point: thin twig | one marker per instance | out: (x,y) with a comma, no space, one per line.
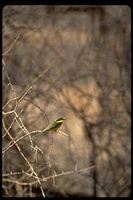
(23,156)
(62,133)
(50,177)
(12,45)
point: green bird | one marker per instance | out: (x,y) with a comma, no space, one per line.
(55,125)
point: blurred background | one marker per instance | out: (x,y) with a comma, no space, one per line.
(72,62)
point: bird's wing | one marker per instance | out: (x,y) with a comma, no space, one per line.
(52,125)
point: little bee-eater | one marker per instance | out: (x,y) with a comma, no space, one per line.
(55,125)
